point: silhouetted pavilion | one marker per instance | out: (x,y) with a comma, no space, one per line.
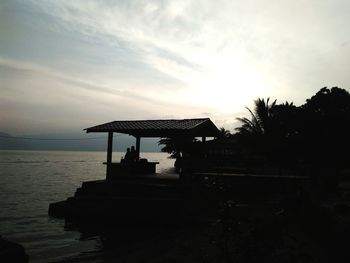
(201,127)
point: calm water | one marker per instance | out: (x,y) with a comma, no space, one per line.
(30,180)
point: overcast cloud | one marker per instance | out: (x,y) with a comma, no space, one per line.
(67,65)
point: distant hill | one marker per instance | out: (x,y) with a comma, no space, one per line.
(73,142)
(8,142)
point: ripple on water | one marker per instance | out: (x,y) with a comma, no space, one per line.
(30,181)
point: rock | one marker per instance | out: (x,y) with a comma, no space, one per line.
(58,209)
(12,252)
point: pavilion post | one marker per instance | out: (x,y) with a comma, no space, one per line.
(138,147)
(110,147)
(204,139)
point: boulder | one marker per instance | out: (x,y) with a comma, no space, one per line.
(12,252)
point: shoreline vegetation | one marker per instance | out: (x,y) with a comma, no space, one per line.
(310,224)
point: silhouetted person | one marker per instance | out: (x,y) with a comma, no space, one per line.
(133,154)
(128,156)
(178,163)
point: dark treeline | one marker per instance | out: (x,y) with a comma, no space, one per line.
(311,139)
(314,133)
(312,136)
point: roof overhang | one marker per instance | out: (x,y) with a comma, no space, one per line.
(201,127)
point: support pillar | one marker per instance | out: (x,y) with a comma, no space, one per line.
(204,139)
(109,147)
(138,147)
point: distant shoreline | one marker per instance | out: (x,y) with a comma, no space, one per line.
(51,150)
(47,143)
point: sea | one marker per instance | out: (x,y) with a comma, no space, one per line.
(31,180)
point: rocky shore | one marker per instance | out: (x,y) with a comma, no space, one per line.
(12,252)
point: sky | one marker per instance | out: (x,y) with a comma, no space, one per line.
(67,65)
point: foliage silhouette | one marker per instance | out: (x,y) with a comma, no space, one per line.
(312,137)
(175,146)
(260,118)
(223,133)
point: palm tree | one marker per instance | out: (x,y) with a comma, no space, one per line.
(223,133)
(177,145)
(271,131)
(260,119)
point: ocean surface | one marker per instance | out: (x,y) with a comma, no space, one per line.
(31,180)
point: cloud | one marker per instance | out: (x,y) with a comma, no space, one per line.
(21,67)
(171,58)
(280,41)
(36,98)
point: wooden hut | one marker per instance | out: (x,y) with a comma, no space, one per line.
(173,128)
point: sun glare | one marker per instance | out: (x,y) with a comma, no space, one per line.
(227,85)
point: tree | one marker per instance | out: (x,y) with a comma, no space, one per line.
(325,129)
(269,132)
(254,133)
(313,137)
(326,125)
(223,133)
(260,118)
(175,146)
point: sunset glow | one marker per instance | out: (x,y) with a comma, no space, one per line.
(163,59)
